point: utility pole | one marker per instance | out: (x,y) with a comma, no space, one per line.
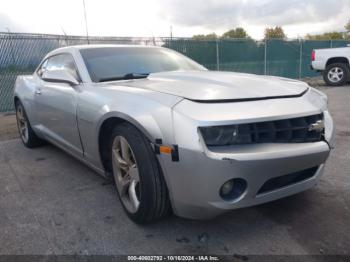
(66,37)
(217,55)
(300,57)
(86,26)
(265,57)
(171,32)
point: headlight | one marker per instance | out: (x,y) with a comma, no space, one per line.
(318,98)
(226,135)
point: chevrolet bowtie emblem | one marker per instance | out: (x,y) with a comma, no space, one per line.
(318,126)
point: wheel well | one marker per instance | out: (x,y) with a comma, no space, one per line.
(103,140)
(333,60)
(104,136)
(15,99)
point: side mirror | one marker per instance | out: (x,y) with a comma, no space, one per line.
(60,76)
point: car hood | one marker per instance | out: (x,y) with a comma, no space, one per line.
(211,86)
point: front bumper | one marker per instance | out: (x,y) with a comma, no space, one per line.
(196,179)
(194,182)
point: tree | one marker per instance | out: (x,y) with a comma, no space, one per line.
(275,33)
(347,27)
(326,36)
(238,32)
(211,36)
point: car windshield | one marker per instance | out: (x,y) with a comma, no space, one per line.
(120,63)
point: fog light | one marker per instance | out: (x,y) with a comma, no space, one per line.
(226,188)
(233,189)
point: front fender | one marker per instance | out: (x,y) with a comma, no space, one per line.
(149,128)
(150,112)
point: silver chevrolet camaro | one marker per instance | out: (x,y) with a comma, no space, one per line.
(173,135)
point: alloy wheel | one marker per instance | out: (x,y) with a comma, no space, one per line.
(336,74)
(22,123)
(126,174)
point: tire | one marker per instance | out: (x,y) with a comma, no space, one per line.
(340,71)
(138,177)
(26,133)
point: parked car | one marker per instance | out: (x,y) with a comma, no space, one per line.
(333,63)
(173,135)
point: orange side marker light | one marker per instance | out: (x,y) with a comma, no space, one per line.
(165,149)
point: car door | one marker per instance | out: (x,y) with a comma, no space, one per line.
(56,105)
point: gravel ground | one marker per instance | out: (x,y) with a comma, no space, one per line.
(316,82)
(52,204)
(8,127)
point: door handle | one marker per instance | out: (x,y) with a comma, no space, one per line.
(38,92)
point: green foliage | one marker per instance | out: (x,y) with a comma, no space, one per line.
(274,33)
(332,35)
(238,32)
(347,27)
(327,36)
(211,36)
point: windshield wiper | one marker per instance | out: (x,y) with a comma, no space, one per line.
(124,77)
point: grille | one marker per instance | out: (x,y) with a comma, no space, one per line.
(287,180)
(293,130)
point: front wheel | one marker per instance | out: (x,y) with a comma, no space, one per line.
(137,174)
(336,74)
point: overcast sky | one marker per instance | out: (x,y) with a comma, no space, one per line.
(187,17)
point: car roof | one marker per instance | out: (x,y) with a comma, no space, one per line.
(80,47)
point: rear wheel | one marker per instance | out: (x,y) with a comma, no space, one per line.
(336,74)
(138,177)
(27,135)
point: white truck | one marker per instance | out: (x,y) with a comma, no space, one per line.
(333,63)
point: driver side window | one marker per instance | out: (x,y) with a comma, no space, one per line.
(42,69)
(61,61)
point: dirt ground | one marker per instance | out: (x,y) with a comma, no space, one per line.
(8,127)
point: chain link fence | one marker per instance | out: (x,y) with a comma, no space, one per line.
(21,53)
